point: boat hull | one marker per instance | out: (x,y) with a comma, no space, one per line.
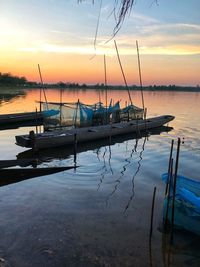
(68,137)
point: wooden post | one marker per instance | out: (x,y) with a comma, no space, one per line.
(36,119)
(75,147)
(169,167)
(168,194)
(174,190)
(152,213)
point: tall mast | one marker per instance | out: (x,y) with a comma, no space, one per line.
(123,73)
(140,76)
(41,80)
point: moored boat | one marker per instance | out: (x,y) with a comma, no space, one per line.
(85,134)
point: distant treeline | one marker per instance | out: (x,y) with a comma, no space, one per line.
(101,86)
(6,79)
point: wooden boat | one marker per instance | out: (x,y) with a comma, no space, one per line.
(15,175)
(26,117)
(49,154)
(67,137)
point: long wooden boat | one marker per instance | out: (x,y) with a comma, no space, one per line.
(25,116)
(15,175)
(85,134)
(49,154)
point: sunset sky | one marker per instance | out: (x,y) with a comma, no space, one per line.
(59,35)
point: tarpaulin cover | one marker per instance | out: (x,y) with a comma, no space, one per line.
(187,203)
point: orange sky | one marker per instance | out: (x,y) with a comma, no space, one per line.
(61,41)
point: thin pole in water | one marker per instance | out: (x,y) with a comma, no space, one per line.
(140,76)
(170,179)
(152,213)
(174,190)
(36,112)
(61,107)
(75,148)
(169,167)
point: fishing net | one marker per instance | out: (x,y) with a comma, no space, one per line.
(187,204)
(82,115)
(131,112)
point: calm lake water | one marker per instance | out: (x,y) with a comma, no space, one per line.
(98,214)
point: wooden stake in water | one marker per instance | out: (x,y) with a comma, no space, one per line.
(36,113)
(75,147)
(170,180)
(169,167)
(61,91)
(174,189)
(152,213)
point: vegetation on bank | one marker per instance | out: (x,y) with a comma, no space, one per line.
(8,80)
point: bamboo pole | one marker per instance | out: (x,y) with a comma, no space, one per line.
(140,77)
(105,77)
(174,190)
(61,107)
(36,112)
(122,71)
(45,97)
(168,194)
(75,148)
(169,166)
(152,213)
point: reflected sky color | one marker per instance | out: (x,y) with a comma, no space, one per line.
(61,38)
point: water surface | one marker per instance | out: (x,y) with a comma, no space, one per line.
(99,214)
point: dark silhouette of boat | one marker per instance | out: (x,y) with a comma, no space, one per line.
(15,175)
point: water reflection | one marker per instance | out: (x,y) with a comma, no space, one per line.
(9,95)
(63,219)
(136,172)
(186,246)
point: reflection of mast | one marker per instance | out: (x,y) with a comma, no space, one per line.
(118,181)
(135,174)
(122,172)
(104,170)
